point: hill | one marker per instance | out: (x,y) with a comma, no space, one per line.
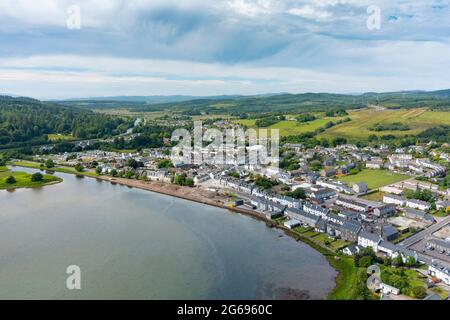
(26,121)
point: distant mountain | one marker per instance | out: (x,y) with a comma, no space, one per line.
(153,99)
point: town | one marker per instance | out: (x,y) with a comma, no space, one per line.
(373,203)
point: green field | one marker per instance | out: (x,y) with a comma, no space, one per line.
(37,165)
(60,137)
(418,120)
(374,178)
(291,127)
(23,180)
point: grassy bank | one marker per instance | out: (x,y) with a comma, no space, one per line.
(23,180)
(63,169)
(351,280)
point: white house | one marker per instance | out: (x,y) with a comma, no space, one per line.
(417,204)
(367,239)
(439,271)
(387,289)
(389,198)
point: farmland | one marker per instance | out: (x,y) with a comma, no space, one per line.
(374,178)
(417,120)
(292,127)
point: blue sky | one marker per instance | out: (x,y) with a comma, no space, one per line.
(211,47)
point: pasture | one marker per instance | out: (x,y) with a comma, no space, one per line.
(374,178)
(418,120)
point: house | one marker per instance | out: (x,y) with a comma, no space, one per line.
(374,163)
(350,230)
(417,204)
(351,249)
(328,172)
(291,224)
(397,200)
(389,233)
(419,215)
(384,210)
(387,289)
(319,194)
(443,204)
(367,239)
(389,249)
(315,209)
(334,218)
(201,178)
(439,245)
(330,161)
(360,187)
(440,272)
(352,203)
(302,216)
(286,201)
(348,215)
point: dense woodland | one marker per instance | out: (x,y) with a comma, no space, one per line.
(25,121)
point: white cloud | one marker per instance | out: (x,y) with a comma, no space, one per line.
(310,12)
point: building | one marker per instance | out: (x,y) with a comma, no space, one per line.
(302,216)
(329,172)
(439,245)
(315,209)
(360,187)
(417,204)
(387,289)
(440,272)
(367,239)
(389,249)
(389,233)
(350,230)
(351,249)
(419,215)
(352,203)
(374,164)
(384,210)
(397,200)
(291,224)
(319,194)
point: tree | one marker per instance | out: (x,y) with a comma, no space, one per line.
(365,262)
(79,167)
(419,292)
(11,180)
(98,170)
(410,262)
(398,260)
(35,177)
(298,193)
(165,163)
(49,163)
(113,172)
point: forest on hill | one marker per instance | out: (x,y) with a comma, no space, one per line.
(25,122)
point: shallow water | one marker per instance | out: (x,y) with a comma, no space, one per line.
(135,244)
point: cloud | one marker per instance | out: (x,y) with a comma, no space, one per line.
(250,46)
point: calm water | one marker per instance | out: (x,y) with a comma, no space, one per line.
(135,244)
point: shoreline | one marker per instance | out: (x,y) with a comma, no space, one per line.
(183,192)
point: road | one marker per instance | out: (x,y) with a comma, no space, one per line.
(424,233)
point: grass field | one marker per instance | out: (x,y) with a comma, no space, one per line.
(374,178)
(361,120)
(60,137)
(23,180)
(291,127)
(37,165)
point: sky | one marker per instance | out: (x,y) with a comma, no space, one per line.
(56,49)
